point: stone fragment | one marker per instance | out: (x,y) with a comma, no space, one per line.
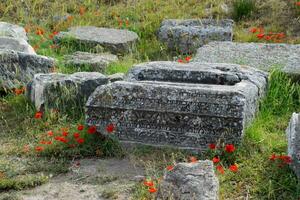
(116,41)
(187,35)
(96,62)
(12,30)
(293,136)
(54,90)
(190,181)
(8,43)
(116,77)
(18,68)
(259,55)
(182,105)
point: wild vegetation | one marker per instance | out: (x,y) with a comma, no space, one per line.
(26,161)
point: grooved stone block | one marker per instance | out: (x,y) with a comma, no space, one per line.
(187,35)
(181,105)
(293,135)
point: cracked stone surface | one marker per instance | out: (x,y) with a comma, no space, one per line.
(190,181)
(293,136)
(13,31)
(187,35)
(259,55)
(16,44)
(97,62)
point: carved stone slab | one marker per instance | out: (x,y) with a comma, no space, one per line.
(182,105)
(293,135)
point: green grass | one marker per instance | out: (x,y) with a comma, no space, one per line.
(257,178)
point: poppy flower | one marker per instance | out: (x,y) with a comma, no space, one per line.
(180,60)
(253,30)
(55,32)
(80,140)
(285,159)
(92,130)
(152,190)
(38,115)
(267,37)
(110,128)
(229,148)
(193,159)
(280,35)
(62,139)
(216,159)
(80,127)
(170,168)
(212,146)
(39,148)
(273,157)
(76,135)
(188,58)
(297,3)
(50,133)
(220,169)
(81,10)
(65,133)
(19,91)
(233,168)
(260,36)
(45,142)
(127,22)
(149,183)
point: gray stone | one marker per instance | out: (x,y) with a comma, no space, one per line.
(8,43)
(181,105)
(18,68)
(187,35)
(116,41)
(97,62)
(55,89)
(259,55)
(190,181)
(293,135)
(116,77)
(12,30)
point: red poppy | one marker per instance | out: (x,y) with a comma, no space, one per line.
(62,139)
(38,115)
(81,10)
(110,128)
(233,168)
(76,135)
(216,159)
(180,60)
(80,140)
(188,58)
(170,168)
(127,22)
(51,36)
(253,30)
(280,35)
(285,159)
(212,146)
(45,142)
(149,183)
(260,36)
(55,32)
(39,31)
(92,130)
(193,159)
(80,127)
(229,148)
(267,37)
(152,190)
(273,157)
(220,169)
(298,3)
(20,91)
(39,148)
(50,133)
(65,133)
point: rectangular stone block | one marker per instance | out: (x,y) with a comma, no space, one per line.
(293,136)
(182,105)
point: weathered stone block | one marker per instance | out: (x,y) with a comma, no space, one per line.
(116,41)
(293,135)
(12,30)
(18,68)
(8,43)
(259,55)
(187,35)
(182,105)
(190,181)
(55,89)
(97,62)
